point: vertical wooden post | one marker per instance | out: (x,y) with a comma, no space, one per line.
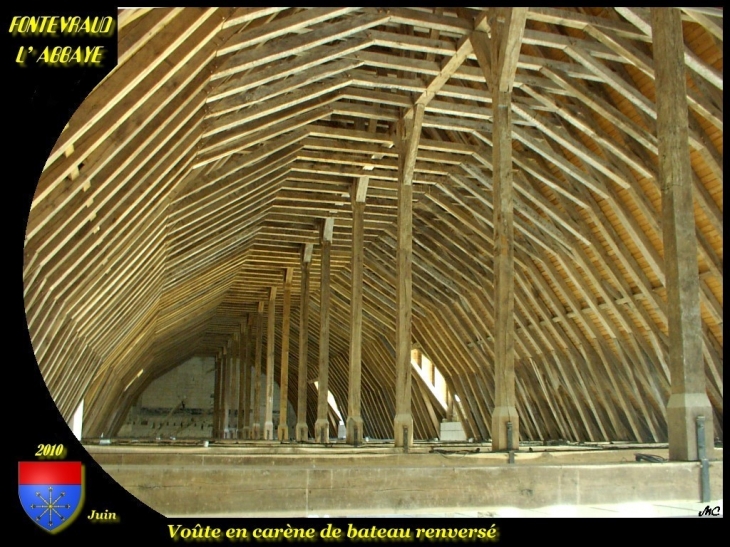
(234,352)
(243,375)
(283,429)
(225,391)
(354,419)
(689,397)
(504,331)
(270,349)
(302,432)
(410,128)
(217,383)
(498,59)
(322,426)
(248,395)
(256,428)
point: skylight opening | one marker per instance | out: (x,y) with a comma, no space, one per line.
(431,376)
(331,401)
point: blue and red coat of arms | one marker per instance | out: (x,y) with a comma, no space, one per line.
(51,493)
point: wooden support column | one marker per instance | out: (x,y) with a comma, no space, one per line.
(322,426)
(225,392)
(256,427)
(218,382)
(226,398)
(498,60)
(355,422)
(283,429)
(234,364)
(504,283)
(302,432)
(244,374)
(410,133)
(270,349)
(689,397)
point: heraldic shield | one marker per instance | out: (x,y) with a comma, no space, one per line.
(51,493)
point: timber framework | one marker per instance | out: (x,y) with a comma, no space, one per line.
(511,218)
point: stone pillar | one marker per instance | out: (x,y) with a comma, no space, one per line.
(270,349)
(322,426)
(283,429)
(355,422)
(410,134)
(302,432)
(689,396)
(256,427)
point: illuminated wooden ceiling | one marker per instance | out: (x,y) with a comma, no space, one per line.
(193,175)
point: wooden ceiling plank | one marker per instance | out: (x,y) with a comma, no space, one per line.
(242,16)
(217,186)
(289,67)
(574,146)
(435,21)
(150,22)
(576,20)
(640,18)
(262,132)
(656,337)
(592,183)
(625,155)
(106,161)
(568,347)
(87,241)
(642,61)
(279,27)
(712,24)
(123,99)
(519,205)
(294,45)
(249,98)
(621,320)
(260,108)
(609,112)
(608,364)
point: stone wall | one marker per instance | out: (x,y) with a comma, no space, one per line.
(179,405)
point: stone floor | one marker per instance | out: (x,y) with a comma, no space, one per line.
(673,508)
(377,480)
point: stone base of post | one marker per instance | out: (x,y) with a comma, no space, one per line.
(355,425)
(322,431)
(282,432)
(403,430)
(500,417)
(301,432)
(682,412)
